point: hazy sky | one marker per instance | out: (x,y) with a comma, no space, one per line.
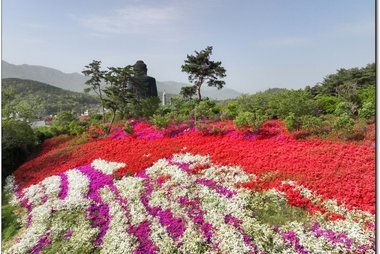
(262,44)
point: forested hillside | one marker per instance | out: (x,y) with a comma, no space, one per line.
(34,99)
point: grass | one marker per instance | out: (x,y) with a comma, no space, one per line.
(9,224)
(270,209)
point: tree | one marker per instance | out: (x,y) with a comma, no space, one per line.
(7,102)
(299,102)
(96,76)
(359,77)
(119,94)
(187,91)
(201,69)
(17,143)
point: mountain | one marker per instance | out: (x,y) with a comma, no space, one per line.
(211,92)
(69,81)
(44,99)
(76,82)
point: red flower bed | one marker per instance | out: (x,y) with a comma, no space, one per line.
(335,170)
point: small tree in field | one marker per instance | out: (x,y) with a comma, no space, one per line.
(201,69)
(96,75)
(118,93)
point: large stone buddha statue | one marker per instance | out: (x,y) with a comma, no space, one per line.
(145,86)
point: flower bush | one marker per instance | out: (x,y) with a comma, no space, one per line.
(183,203)
(184,190)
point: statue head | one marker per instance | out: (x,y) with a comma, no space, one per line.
(140,66)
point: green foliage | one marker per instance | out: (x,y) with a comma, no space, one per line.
(76,128)
(32,99)
(18,142)
(16,134)
(118,94)
(291,122)
(344,124)
(299,102)
(160,122)
(43,132)
(328,103)
(76,222)
(95,117)
(144,108)
(128,128)
(180,106)
(65,122)
(368,110)
(250,120)
(178,118)
(201,69)
(273,210)
(345,107)
(9,221)
(359,129)
(206,109)
(367,97)
(311,123)
(187,92)
(258,101)
(243,120)
(209,129)
(229,111)
(60,123)
(7,104)
(96,76)
(346,80)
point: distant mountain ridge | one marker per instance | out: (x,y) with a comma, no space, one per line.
(76,81)
(68,81)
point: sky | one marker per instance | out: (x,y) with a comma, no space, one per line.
(261,44)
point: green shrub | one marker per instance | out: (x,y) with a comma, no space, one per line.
(209,129)
(298,102)
(10,224)
(18,142)
(148,107)
(328,103)
(258,101)
(344,125)
(95,117)
(291,122)
(128,128)
(77,128)
(60,123)
(250,120)
(345,107)
(160,122)
(367,97)
(359,130)
(229,111)
(182,106)
(206,109)
(178,118)
(244,120)
(368,110)
(311,123)
(43,132)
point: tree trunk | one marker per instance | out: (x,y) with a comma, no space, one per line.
(101,99)
(199,93)
(113,118)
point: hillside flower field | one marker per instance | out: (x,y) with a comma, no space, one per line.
(183,190)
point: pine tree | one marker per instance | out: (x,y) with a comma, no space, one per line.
(201,69)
